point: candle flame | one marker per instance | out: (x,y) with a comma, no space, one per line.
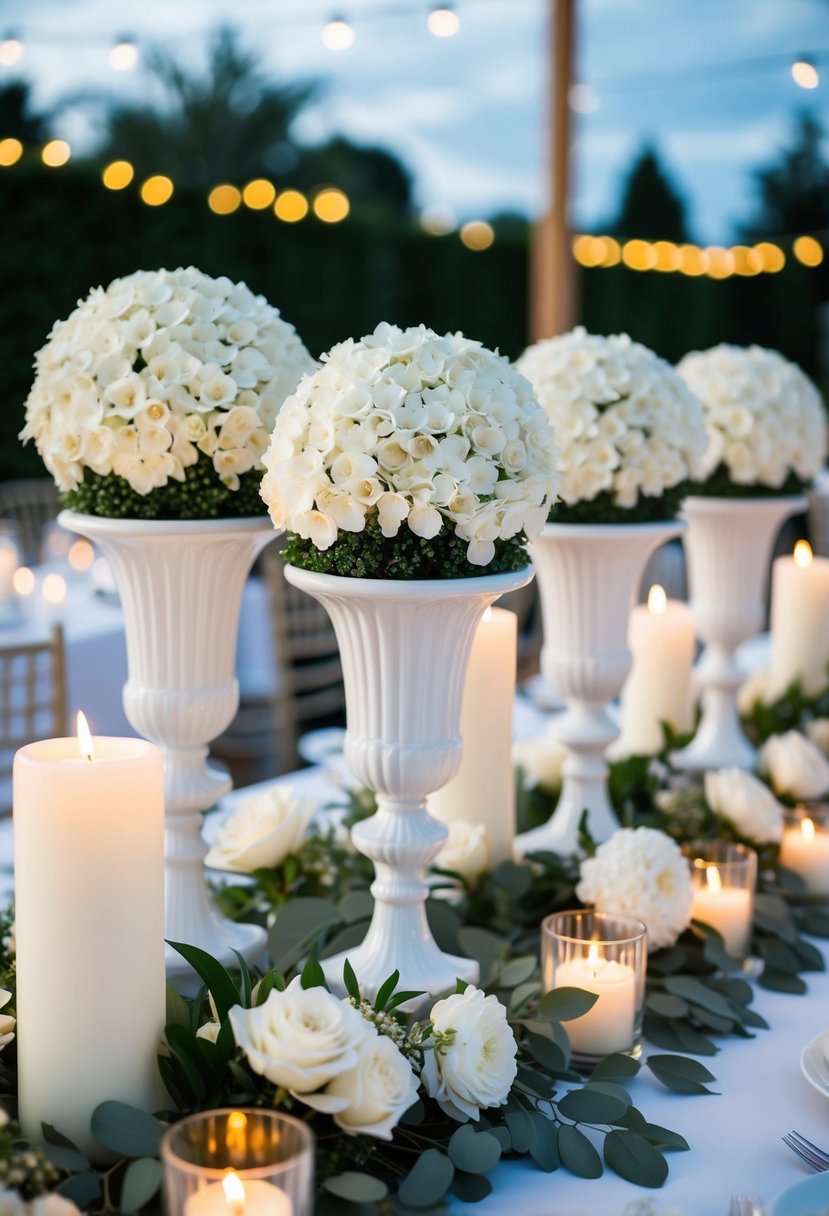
(593,953)
(233,1189)
(807,828)
(803,554)
(657,600)
(712,877)
(85,738)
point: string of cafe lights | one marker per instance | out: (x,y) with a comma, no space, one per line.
(331,206)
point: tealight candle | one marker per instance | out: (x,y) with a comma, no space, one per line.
(607,956)
(483,789)
(89,927)
(238,1163)
(804,848)
(658,689)
(799,622)
(726,909)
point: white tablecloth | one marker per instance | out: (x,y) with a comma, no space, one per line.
(735,1137)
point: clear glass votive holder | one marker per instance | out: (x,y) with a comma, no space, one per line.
(724,875)
(804,848)
(606,955)
(238,1163)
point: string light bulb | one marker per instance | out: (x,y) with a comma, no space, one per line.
(443,21)
(805,74)
(124,55)
(337,34)
(11,51)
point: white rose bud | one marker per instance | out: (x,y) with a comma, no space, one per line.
(378,1090)
(542,761)
(265,829)
(746,803)
(466,851)
(470,1065)
(795,765)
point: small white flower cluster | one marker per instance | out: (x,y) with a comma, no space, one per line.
(748,805)
(161,366)
(640,872)
(331,1058)
(265,828)
(625,423)
(764,417)
(407,427)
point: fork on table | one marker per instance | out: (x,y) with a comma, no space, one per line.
(808,1152)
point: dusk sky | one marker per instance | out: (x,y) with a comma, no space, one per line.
(707,81)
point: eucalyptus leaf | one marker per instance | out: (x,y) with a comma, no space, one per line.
(474,1152)
(142,1179)
(82,1189)
(577,1153)
(535,1082)
(520,1130)
(591,1105)
(779,956)
(544,1143)
(296,925)
(695,991)
(356,1187)
(514,878)
(126,1130)
(681,1074)
(356,905)
(428,1180)
(445,924)
(521,995)
(52,1136)
(781,981)
(814,921)
(547,1053)
(633,1158)
(809,956)
(564,1004)
(666,1005)
(347,939)
(750,1017)
(616,1066)
(66,1158)
(677,1036)
(662,1137)
(470,1188)
(612,1090)
(735,989)
(713,1021)
(516,971)
(482,945)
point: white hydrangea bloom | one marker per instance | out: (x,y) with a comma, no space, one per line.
(153,370)
(626,422)
(415,430)
(764,417)
(640,872)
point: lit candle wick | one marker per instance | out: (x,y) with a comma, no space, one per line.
(657,600)
(803,554)
(712,878)
(807,828)
(234,1192)
(85,738)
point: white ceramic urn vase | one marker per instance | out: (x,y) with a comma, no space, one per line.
(404,647)
(181,584)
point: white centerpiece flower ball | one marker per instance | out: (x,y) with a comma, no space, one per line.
(631,435)
(640,872)
(156,397)
(410,454)
(765,421)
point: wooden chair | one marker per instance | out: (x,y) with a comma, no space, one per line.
(32,700)
(31,503)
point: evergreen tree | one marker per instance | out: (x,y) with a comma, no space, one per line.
(651,207)
(793,191)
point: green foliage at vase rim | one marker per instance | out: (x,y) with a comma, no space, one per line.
(790,711)
(604,510)
(721,485)
(202,495)
(369,554)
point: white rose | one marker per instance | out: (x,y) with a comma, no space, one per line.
(6,1021)
(469,1064)
(818,731)
(262,832)
(466,850)
(795,765)
(301,1039)
(746,803)
(542,761)
(378,1090)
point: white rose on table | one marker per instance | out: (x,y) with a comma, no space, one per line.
(818,731)
(301,1039)
(378,1090)
(265,829)
(748,805)
(469,1064)
(7,1022)
(795,765)
(541,760)
(466,851)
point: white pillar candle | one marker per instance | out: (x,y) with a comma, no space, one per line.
(726,909)
(609,1025)
(805,852)
(658,689)
(799,622)
(483,791)
(235,1197)
(89,927)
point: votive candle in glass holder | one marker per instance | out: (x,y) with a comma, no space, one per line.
(606,955)
(238,1163)
(724,875)
(804,847)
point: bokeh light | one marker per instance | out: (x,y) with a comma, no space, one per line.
(331,205)
(11,151)
(55,153)
(808,251)
(477,235)
(224,199)
(156,190)
(259,194)
(443,21)
(290,206)
(337,34)
(118,175)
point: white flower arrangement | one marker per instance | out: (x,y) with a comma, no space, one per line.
(405,429)
(264,829)
(795,766)
(156,372)
(748,805)
(765,421)
(469,1064)
(640,872)
(628,428)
